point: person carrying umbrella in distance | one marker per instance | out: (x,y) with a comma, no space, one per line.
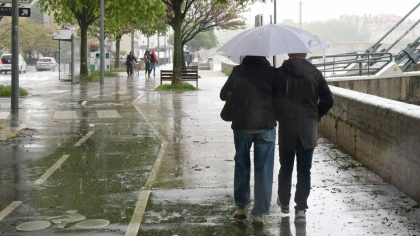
(301,97)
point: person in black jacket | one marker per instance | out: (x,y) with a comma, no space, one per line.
(251,89)
(129,63)
(302,97)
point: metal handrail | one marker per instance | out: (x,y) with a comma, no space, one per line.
(367,62)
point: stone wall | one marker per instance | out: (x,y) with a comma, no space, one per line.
(227,68)
(404,88)
(382,134)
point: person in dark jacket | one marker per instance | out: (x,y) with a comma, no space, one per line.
(129,63)
(251,89)
(302,97)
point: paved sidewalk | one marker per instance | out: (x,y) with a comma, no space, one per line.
(179,137)
(193,193)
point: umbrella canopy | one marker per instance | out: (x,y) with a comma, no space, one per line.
(271,40)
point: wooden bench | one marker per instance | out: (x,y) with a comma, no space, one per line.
(188,74)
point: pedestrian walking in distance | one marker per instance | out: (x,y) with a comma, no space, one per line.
(129,63)
(153,62)
(302,97)
(250,87)
(147,62)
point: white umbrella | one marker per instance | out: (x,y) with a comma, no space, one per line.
(271,40)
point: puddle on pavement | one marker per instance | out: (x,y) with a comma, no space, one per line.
(101,178)
(92,224)
(33,226)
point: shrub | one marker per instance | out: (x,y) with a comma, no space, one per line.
(95,76)
(176,87)
(6,91)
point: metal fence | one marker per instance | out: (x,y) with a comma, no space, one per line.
(354,63)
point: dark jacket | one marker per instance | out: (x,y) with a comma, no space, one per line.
(251,85)
(302,97)
(130,58)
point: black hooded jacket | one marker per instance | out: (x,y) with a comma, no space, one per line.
(302,97)
(301,90)
(251,85)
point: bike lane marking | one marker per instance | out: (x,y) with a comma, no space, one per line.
(84,138)
(51,170)
(136,218)
(60,161)
(9,209)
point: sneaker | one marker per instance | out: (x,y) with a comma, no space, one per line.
(284,208)
(257,220)
(300,216)
(240,213)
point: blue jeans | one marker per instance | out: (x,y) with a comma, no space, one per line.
(264,143)
(303,186)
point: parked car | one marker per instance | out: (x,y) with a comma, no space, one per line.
(46,63)
(6,63)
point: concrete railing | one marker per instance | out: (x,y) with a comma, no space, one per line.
(405,87)
(381,133)
(227,68)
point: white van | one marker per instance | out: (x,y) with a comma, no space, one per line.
(6,63)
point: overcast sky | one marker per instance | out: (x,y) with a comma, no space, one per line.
(313,10)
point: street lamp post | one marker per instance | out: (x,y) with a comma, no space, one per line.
(275,22)
(15,58)
(102,44)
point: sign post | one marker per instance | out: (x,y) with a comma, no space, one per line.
(23,12)
(18,1)
(15,59)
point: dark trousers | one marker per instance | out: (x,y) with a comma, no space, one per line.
(129,69)
(303,187)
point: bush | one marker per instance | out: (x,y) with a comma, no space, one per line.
(95,76)
(176,87)
(90,78)
(6,91)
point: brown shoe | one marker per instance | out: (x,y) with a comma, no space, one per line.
(240,213)
(257,220)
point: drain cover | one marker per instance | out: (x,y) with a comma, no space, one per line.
(92,224)
(33,225)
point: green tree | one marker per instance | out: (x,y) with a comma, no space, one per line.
(190,17)
(203,40)
(82,12)
(33,37)
(122,19)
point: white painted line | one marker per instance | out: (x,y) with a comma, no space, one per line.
(137,217)
(4,115)
(65,115)
(84,138)
(9,209)
(108,114)
(57,91)
(51,170)
(52,99)
(153,173)
(150,124)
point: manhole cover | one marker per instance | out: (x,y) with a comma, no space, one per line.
(70,218)
(92,224)
(33,225)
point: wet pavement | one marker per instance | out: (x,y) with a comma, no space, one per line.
(126,154)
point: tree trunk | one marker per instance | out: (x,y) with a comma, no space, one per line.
(177,57)
(117,52)
(83,51)
(184,65)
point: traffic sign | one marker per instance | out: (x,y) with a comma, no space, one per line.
(7,11)
(19,1)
